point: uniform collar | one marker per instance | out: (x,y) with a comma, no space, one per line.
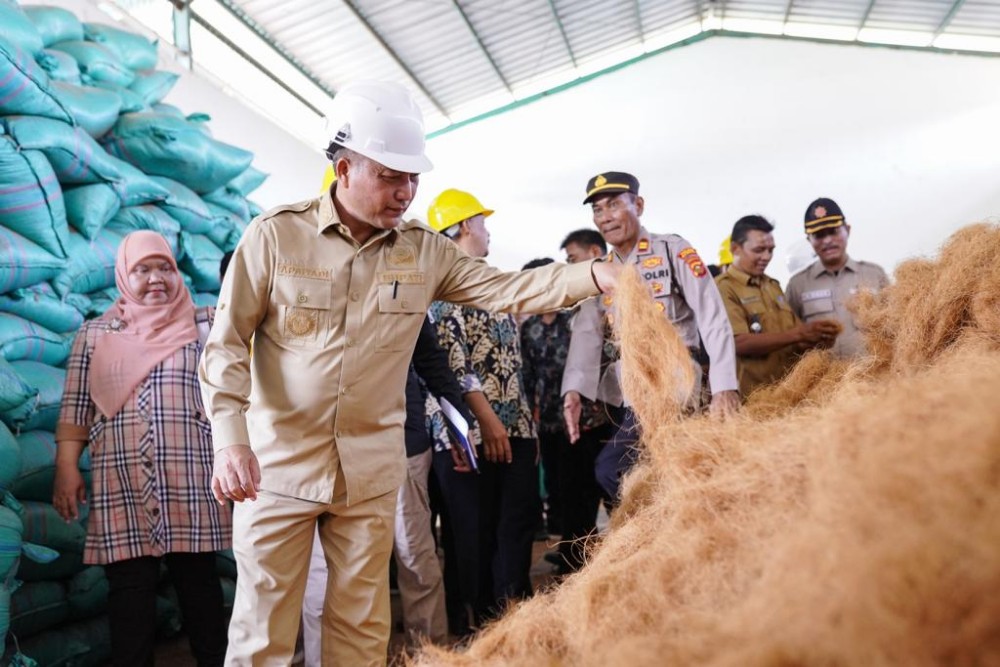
(637,250)
(818,269)
(328,217)
(744,278)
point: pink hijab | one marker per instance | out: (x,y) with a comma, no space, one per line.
(139,336)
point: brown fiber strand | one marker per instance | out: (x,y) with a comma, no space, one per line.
(854,520)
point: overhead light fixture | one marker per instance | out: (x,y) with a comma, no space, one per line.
(899,37)
(968,43)
(660,40)
(757,26)
(819,31)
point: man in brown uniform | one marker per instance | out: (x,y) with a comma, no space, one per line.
(333,291)
(823,289)
(768,335)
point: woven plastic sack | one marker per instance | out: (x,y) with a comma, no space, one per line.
(97,64)
(247,182)
(87,593)
(131,100)
(31,201)
(18,28)
(101,300)
(17,399)
(83,644)
(10,543)
(23,263)
(93,109)
(132,218)
(186,207)
(21,339)
(10,457)
(153,86)
(200,260)
(230,200)
(38,606)
(136,188)
(40,304)
(43,525)
(49,381)
(54,24)
(227,230)
(165,145)
(90,207)
(91,264)
(169,109)
(74,155)
(38,466)
(59,66)
(25,88)
(134,50)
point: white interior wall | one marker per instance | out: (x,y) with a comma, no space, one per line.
(908,143)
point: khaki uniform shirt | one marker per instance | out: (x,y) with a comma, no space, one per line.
(334,324)
(751,299)
(689,299)
(817,294)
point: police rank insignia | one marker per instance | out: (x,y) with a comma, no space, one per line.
(690,257)
(652,262)
(643,246)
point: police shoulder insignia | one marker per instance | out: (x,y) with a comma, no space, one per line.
(643,246)
(690,257)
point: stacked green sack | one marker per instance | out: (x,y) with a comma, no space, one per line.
(89,152)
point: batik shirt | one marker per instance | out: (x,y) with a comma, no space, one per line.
(544,348)
(484,352)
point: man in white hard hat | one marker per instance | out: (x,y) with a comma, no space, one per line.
(333,291)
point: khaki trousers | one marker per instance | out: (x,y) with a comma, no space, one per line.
(272,541)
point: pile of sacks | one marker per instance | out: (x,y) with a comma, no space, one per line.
(88,153)
(849,516)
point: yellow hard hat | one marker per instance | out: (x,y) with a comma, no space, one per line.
(328,178)
(725,251)
(452,207)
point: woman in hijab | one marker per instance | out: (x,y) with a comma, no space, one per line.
(132,394)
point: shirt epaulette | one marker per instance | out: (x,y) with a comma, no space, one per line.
(297,207)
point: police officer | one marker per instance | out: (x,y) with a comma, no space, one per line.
(824,288)
(768,335)
(683,290)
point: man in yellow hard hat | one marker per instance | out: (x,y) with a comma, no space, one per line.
(333,290)
(493,516)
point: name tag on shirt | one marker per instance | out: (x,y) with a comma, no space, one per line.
(817,294)
(402,277)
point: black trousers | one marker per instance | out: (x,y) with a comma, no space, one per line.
(581,495)
(549,444)
(132,607)
(618,456)
(492,519)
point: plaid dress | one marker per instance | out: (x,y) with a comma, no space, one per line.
(151,462)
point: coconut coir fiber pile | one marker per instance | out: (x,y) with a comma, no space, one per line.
(849,515)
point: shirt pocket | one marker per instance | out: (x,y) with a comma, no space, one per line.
(401,309)
(303,310)
(817,306)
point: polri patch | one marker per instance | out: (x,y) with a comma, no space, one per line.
(690,257)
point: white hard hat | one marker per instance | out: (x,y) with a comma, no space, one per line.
(381,121)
